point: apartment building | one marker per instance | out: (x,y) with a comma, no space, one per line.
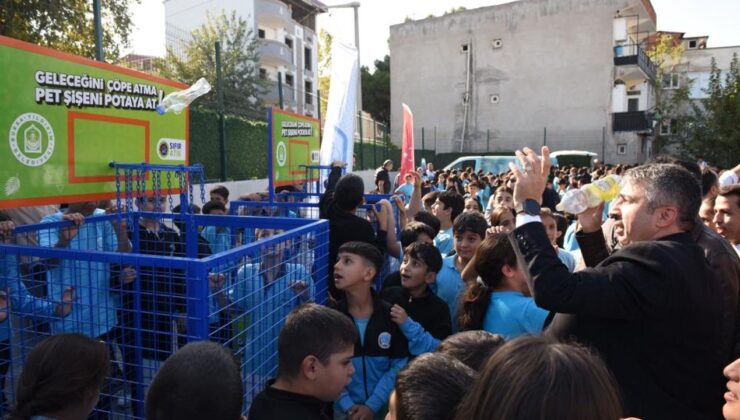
(572,74)
(693,70)
(288,43)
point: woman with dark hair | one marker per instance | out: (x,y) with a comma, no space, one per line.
(61,378)
(498,301)
(537,378)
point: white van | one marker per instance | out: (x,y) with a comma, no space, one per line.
(493,164)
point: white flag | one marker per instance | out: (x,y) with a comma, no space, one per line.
(339,129)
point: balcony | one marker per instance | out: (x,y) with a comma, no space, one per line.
(272,13)
(272,97)
(634,55)
(637,121)
(275,53)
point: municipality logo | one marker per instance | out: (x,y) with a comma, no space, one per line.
(31,139)
(282,154)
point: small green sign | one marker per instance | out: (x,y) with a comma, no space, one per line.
(65,118)
(295,144)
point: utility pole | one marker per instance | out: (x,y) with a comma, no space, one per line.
(98,31)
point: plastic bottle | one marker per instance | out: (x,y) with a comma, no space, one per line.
(177,101)
(590,195)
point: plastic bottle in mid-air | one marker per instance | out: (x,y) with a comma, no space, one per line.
(177,101)
(591,195)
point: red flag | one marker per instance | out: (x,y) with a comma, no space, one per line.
(407,143)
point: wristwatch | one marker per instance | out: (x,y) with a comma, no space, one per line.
(529,206)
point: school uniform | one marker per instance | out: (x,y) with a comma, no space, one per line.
(381,350)
(428,322)
(277,404)
(512,314)
(95,312)
(450,287)
(344,226)
(263,308)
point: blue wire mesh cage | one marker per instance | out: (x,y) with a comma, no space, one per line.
(147,282)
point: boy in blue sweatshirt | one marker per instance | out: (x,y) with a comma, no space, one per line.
(422,315)
(381,349)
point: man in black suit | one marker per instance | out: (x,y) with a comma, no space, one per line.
(646,309)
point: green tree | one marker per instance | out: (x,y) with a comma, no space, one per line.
(242,86)
(376,90)
(68,25)
(713,128)
(670,104)
(324,57)
(455,10)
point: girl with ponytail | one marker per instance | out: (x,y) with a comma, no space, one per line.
(499,300)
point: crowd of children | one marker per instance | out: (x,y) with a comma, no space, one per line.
(452,333)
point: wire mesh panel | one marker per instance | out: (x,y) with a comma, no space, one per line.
(147,283)
(301,206)
(254,288)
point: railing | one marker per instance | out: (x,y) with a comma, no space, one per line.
(631,121)
(634,54)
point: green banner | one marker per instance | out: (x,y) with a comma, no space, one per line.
(295,144)
(66,118)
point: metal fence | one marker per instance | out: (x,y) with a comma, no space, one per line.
(226,279)
(305,205)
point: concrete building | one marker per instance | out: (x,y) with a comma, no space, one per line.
(289,45)
(568,73)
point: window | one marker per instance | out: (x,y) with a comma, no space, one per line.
(263,74)
(621,149)
(692,44)
(699,84)
(289,79)
(462,165)
(289,42)
(307,59)
(464,48)
(261,33)
(633,104)
(670,81)
(667,127)
(308,87)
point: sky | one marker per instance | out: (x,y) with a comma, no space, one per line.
(716,18)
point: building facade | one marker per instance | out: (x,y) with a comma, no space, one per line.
(572,74)
(288,43)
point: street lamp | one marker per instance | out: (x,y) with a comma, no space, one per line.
(355,5)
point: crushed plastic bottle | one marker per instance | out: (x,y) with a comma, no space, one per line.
(590,195)
(177,101)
